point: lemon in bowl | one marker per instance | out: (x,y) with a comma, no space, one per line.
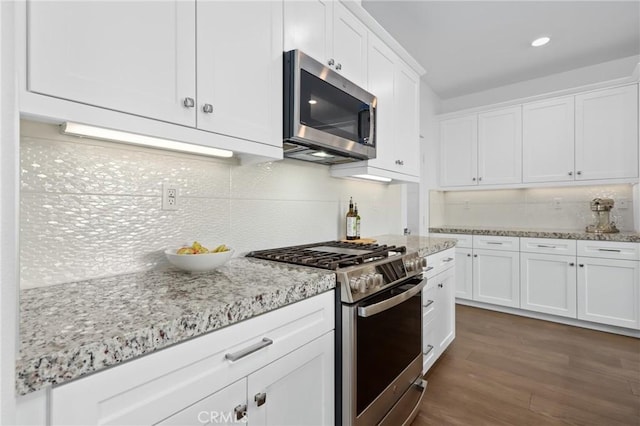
(197,258)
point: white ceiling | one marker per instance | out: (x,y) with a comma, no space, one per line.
(471,46)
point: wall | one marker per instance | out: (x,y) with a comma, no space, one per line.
(612,70)
(529,208)
(90,208)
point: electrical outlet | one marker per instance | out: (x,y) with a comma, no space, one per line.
(557,203)
(169,196)
(623,203)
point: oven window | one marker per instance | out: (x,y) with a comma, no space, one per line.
(386,344)
(327,108)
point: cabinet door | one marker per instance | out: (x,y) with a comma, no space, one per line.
(607,134)
(407,111)
(459,151)
(548,284)
(349,46)
(548,141)
(496,277)
(381,82)
(241,42)
(608,291)
(136,57)
(464,274)
(225,407)
(446,309)
(308,26)
(500,146)
(297,389)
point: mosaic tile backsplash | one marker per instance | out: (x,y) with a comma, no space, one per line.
(90,209)
(532,208)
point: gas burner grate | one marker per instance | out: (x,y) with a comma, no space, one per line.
(323,255)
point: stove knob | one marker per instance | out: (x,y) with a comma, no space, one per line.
(410,265)
(423,262)
(378,280)
(362,285)
(369,280)
(353,283)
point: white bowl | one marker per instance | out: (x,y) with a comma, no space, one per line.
(198,262)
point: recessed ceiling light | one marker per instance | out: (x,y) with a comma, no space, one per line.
(540,41)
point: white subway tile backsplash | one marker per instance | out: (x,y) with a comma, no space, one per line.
(91,208)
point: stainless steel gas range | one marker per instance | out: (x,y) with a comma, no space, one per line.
(378,327)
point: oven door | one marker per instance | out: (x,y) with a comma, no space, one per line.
(385,356)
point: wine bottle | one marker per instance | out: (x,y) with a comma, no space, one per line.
(351,221)
(357,222)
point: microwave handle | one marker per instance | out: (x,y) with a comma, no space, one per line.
(372,126)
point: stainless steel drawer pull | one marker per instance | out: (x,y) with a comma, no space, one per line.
(494,243)
(240,411)
(448,259)
(429,303)
(429,349)
(545,246)
(572,264)
(251,349)
(611,250)
(429,268)
(207,108)
(260,398)
(189,102)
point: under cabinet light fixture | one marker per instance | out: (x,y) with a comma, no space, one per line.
(83,130)
(373,177)
(540,41)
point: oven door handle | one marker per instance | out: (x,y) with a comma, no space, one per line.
(371,310)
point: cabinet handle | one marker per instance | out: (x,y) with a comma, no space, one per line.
(207,108)
(475,255)
(544,246)
(440,285)
(429,302)
(578,172)
(240,411)
(572,264)
(495,243)
(570,173)
(247,351)
(612,250)
(473,179)
(429,268)
(479,179)
(429,349)
(338,66)
(581,265)
(468,255)
(331,61)
(260,398)
(189,102)
(447,260)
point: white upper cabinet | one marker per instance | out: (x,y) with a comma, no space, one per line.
(607,134)
(113,55)
(500,146)
(234,40)
(459,151)
(548,141)
(329,33)
(407,110)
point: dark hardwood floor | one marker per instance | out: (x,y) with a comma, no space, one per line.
(508,370)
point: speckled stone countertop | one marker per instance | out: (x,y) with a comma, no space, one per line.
(633,237)
(423,244)
(77,328)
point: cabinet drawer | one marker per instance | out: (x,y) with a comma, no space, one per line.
(149,389)
(464,240)
(439,262)
(548,246)
(491,242)
(609,249)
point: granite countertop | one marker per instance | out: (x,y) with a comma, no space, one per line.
(633,237)
(73,329)
(425,245)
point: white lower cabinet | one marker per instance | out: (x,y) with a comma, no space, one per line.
(548,283)
(278,368)
(496,277)
(438,307)
(609,291)
(464,273)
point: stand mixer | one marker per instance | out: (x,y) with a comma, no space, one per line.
(601,208)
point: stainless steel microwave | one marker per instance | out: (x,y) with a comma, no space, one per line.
(327,118)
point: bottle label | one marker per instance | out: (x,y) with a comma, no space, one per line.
(351,227)
(357,228)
